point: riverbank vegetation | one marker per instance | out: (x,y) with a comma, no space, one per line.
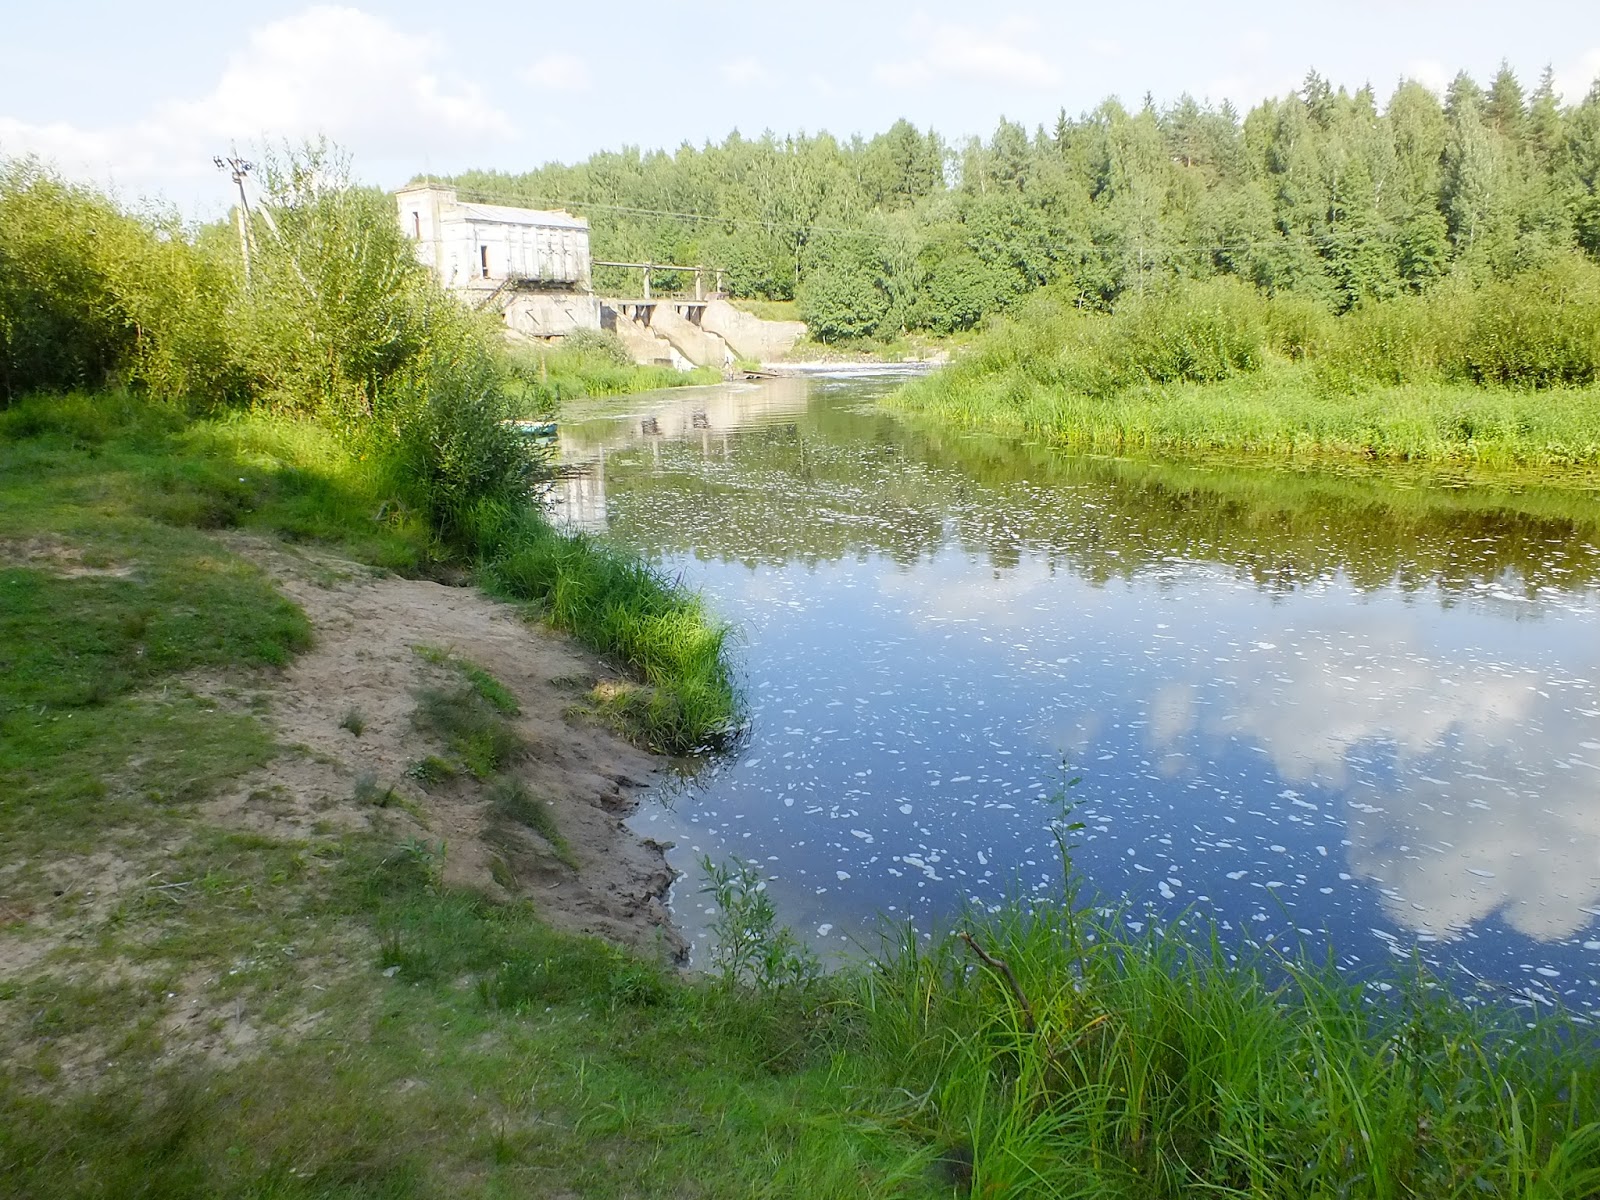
(193,1010)
(1505,374)
(586,363)
(462,1047)
(330,391)
(1333,194)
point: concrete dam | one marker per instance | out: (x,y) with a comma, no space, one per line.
(534,269)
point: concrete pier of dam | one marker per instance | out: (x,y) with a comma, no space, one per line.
(685,332)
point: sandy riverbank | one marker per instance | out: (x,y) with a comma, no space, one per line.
(367,628)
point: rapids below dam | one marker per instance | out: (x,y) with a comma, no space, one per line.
(1349,712)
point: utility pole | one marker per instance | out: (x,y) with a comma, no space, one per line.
(240,169)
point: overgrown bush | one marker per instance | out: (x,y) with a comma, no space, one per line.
(600,347)
(749,948)
(1196,331)
(453,449)
(1540,329)
(91,295)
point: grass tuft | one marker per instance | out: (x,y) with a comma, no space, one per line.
(431,770)
(474,731)
(510,800)
(486,685)
(623,608)
(369,791)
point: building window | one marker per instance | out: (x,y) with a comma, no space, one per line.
(416,225)
(483,258)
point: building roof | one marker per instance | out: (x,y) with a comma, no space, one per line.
(500,214)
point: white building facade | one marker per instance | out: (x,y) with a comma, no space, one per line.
(532,267)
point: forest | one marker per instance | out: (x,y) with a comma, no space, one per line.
(1328,193)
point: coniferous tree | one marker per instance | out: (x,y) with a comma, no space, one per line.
(1323,192)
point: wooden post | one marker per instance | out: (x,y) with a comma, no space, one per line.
(647,281)
(699,284)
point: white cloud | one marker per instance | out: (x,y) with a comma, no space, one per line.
(970,54)
(1254,43)
(560,73)
(1250,88)
(1496,810)
(1574,79)
(1251,72)
(342,72)
(375,89)
(1430,73)
(742,72)
(1397,695)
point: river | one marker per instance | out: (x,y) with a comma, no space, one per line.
(1355,711)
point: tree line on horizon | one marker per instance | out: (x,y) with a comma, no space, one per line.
(1321,192)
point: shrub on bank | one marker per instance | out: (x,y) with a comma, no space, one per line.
(1538,330)
(1504,374)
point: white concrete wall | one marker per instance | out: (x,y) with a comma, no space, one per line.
(648,347)
(420,216)
(466,250)
(479,251)
(749,335)
(699,346)
(551,314)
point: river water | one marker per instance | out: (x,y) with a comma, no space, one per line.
(1335,711)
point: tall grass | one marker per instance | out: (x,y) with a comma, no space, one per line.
(540,379)
(622,607)
(1506,375)
(1062,1055)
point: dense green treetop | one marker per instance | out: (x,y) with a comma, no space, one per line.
(1325,191)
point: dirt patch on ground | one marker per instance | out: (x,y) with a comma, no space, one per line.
(347,706)
(57,557)
(95,943)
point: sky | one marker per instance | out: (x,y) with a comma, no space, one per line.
(140,97)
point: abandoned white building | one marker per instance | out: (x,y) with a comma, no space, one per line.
(533,267)
(535,270)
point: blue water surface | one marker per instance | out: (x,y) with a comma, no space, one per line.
(1347,714)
